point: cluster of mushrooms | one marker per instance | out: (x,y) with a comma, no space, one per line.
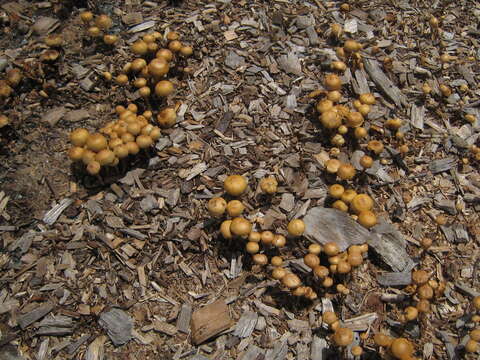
(117,140)
(339,263)
(98,27)
(238,227)
(13,78)
(148,72)
(361,205)
(341,336)
(132,132)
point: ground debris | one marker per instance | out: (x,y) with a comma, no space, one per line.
(209,321)
(118,325)
(323,225)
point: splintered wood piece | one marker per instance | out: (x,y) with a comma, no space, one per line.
(383,82)
(209,321)
(246,324)
(183,320)
(165,328)
(34,315)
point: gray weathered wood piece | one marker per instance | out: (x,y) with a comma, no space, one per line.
(384,83)
(246,324)
(323,225)
(34,315)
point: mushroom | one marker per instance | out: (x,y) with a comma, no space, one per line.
(324,105)
(267,237)
(164,88)
(175,46)
(420,277)
(333,82)
(139,47)
(332,165)
(321,271)
(260,259)
(291,281)
(235,208)
(158,67)
(340,205)
(121,79)
(235,185)
(366,161)
(367,219)
(186,51)
(367,99)
(217,206)
(105,157)
(279,241)
(252,247)
(401,348)
(331,248)
(86,16)
(254,236)
(361,202)
(278,273)
(225,229)
(315,249)
(348,196)
(343,337)
(78,137)
(103,22)
(346,172)
(165,54)
(311,260)
(336,191)
(240,227)
(382,340)
(410,313)
(425,292)
(110,39)
(276,261)
(75,153)
(167,117)
(330,119)
(269,185)
(14,77)
(296,227)
(93,167)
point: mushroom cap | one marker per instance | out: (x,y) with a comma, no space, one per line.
(331,248)
(367,218)
(240,226)
(216,206)
(291,281)
(235,208)
(252,247)
(164,88)
(225,229)
(361,202)
(296,227)
(269,185)
(311,260)
(78,137)
(343,336)
(235,185)
(401,348)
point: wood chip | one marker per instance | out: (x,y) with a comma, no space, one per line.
(29,318)
(184,317)
(323,225)
(246,324)
(384,83)
(164,328)
(209,321)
